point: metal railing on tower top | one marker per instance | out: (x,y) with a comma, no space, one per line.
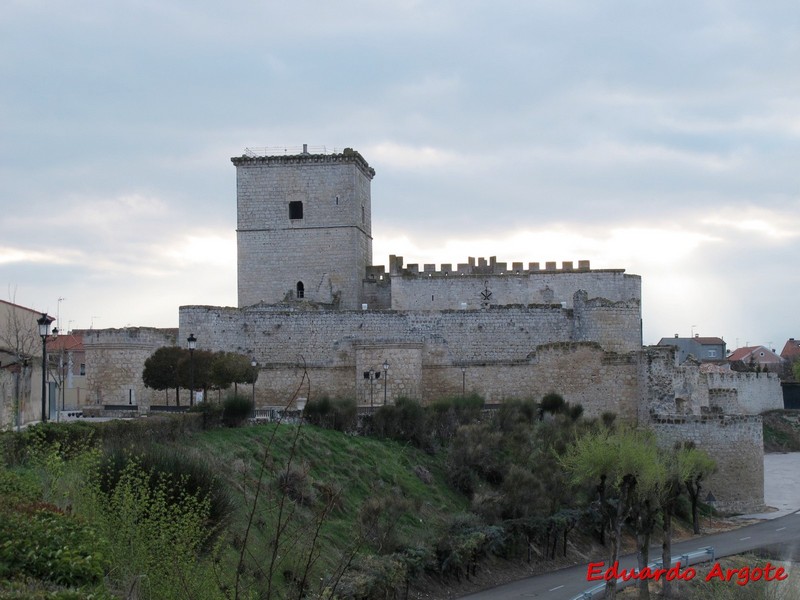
(288,150)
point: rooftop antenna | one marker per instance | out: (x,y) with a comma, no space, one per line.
(58,311)
(69,326)
(692,329)
(91,325)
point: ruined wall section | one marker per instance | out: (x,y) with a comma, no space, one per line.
(735,442)
(115,361)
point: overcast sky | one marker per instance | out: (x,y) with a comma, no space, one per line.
(658,137)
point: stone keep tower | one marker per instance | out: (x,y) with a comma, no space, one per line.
(303,227)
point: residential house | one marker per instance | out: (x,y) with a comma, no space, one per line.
(20,365)
(791,350)
(750,357)
(67,369)
(704,349)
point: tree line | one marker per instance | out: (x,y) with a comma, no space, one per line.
(172,367)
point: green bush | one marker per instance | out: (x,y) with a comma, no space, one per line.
(211,414)
(156,530)
(447,414)
(476,449)
(339,414)
(465,542)
(372,577)
(182,474)
(69,438)
(45,544)
(236,410)
(405,421)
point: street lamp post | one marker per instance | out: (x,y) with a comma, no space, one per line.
(192,343)
(463,381)
(44,330)
(385,379)
(254,364)
(60,375)
(371,387)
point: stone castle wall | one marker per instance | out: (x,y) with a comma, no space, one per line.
(507,352)
(115,361)
(471,287)
(755,392)
(735,442)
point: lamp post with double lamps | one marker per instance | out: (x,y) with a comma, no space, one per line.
(44,331)
(192,344)
(463,381)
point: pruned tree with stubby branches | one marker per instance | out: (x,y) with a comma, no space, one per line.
(623,466)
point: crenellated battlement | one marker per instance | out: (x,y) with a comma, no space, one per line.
(481,267)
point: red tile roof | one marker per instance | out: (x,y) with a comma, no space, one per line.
(745,352)
(791,349)
(70,342)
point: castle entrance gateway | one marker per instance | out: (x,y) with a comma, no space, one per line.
(386,372)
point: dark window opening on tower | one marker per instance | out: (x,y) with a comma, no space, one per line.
(363,216)
(296,209)
(301,289)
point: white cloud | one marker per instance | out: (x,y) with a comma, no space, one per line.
(52,257)
(401,156)
(209,249)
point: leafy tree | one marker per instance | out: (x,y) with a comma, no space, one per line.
(622,464)
(196,368)
(231,368)
(796,370)
(161,370)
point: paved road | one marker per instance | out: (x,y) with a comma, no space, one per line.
(782,529)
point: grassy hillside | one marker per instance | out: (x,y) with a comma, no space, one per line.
(363,495)
(782,431)
(302,504)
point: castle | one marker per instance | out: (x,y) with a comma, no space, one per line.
(310,301)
